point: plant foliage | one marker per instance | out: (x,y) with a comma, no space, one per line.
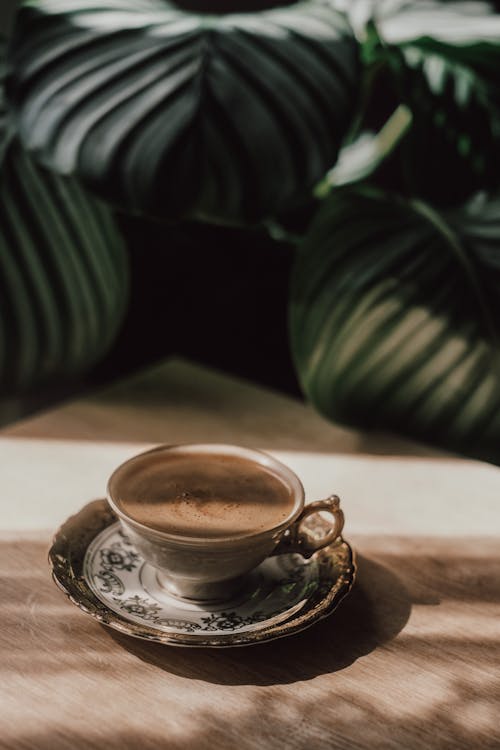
(395,317)
(394,306)
(230,117)
(63,272)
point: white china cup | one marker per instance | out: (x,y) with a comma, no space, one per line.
(214,569)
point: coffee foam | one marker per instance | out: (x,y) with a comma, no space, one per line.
(203,495)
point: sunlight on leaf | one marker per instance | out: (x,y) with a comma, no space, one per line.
(394,318)
(358,160)
(226,118)
(63,272)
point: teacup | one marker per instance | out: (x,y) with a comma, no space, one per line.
(202,568)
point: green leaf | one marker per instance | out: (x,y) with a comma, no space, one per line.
(457,23)
(63,272)
(359,160)
(395,318)
(231,118)
(446,57)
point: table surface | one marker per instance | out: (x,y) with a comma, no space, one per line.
(409,660)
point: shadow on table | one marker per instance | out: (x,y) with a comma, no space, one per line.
(68,683)
(375,612)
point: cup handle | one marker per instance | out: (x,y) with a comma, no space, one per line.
(298,540)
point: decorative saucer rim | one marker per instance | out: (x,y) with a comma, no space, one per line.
(66,559)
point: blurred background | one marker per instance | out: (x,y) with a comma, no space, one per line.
(344,175)
(215,295)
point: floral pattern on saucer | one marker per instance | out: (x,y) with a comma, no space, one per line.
(99,570)
(124,582)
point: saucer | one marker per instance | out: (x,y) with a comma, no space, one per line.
(101,572)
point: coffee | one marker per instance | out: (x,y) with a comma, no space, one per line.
(203,495)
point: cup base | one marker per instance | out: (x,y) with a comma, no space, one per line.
(212,593)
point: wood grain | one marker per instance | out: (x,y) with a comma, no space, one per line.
(408,662)
(177,401)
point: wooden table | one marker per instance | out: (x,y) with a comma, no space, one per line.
(410,660)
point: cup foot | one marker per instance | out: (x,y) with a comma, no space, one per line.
(215,592)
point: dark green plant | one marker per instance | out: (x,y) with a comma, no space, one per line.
(179,114)
(395,317)
(239,118)
(394,305)
(63,272)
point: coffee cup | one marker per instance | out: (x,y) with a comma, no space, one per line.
(206,515)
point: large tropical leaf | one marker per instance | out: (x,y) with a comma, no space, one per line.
(172,113)
(63,272)
(395,318)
